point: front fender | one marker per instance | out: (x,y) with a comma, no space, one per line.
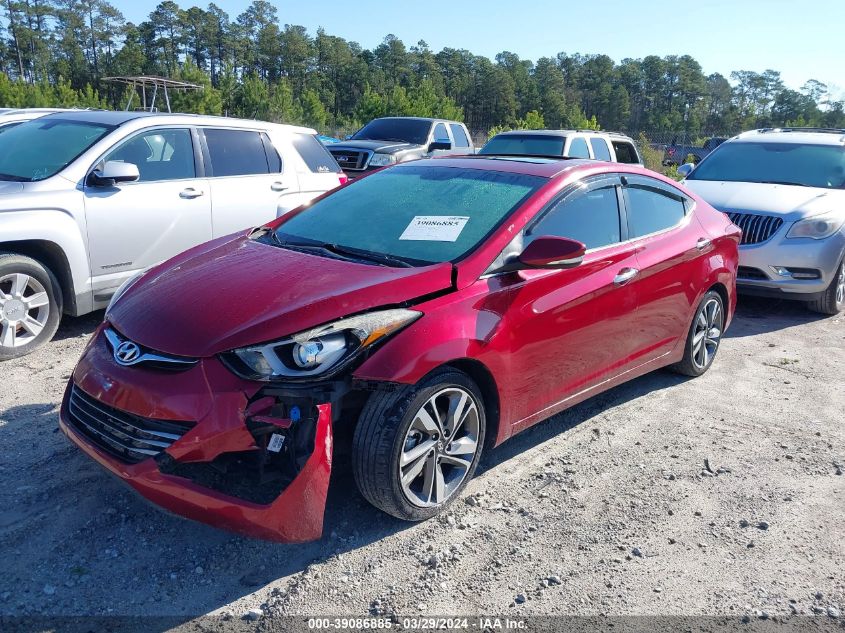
(60,228)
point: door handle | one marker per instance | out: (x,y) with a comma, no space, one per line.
(278,186)
(190,193)
(625,275)
(702,243)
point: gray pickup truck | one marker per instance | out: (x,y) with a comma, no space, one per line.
(390,140)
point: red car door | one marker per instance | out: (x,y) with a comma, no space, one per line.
(670,243)
(571,329)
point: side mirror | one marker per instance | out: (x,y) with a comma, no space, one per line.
(685,169)
(435,145)
(547,251)
(113,172)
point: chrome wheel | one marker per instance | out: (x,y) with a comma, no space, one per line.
(840,285)
(707,333)
(439,447)
(24,309)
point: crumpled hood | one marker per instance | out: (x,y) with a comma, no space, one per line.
(236,292)
(789,202)
(382,147)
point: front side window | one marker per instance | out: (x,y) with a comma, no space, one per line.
(461,139)
(235,153)
(440,134)
(40,148)
(777,163)
(651,210)
(166,154)
(591,217)
(398,129)
(421,213)
(524,145)
(600,150)
(578,148)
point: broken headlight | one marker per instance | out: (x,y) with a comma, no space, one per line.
(320,350)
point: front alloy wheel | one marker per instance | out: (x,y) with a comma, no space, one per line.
(833,300)
(30,305)
(415,448)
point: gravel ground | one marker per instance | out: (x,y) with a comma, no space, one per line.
(721,495)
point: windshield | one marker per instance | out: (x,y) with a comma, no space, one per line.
(403,130)
(420,214)
(525,145)
(38,149)
(783,163)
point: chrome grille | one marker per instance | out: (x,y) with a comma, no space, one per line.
(350,159)
(128,437)
(755,228)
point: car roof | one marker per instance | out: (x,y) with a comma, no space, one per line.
(121,117)
(415,118)
(560,133)
(803,136)
(545,167)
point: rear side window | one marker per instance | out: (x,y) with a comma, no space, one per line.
(600,150)
(625,153)
(578,148)
(460,136)
(236,152)
(651,210)
(591,217)
(314,153)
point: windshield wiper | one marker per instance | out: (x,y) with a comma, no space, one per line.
(782,182)
(379,258)
(13,178)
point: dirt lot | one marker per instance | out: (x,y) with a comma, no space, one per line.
(609,508)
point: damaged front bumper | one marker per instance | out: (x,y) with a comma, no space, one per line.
(206,444)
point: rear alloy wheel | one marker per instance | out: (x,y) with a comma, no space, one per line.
(30,305)
(415,449)
(833,300)
(705,335)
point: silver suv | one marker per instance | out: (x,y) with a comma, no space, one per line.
(785,188)
(612,147)
(90,198)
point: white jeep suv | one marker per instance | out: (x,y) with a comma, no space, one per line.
(785,188)
(89,198)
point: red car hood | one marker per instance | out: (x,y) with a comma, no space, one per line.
(235,292)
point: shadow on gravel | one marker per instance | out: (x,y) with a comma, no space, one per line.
(72,327)
(757,315)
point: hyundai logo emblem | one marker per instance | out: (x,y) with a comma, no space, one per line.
(127,353)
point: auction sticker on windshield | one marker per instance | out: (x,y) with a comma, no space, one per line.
(435,228)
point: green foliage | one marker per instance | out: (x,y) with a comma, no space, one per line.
(57,52)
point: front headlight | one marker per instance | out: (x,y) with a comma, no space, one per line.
(382,160)
(819,226)
(320,350)
(126,285)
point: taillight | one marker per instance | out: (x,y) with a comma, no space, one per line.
(343,178)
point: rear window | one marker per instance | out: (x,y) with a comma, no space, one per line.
(314,153)
(525,145)
(236,152)
(625,153)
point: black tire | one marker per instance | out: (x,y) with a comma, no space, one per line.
(829,302)
(11,263)
(692,364)
(380,437)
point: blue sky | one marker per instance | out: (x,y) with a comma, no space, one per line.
(802,40)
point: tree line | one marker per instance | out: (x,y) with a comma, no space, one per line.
(58,52)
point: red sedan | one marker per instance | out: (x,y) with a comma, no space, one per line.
(422,313)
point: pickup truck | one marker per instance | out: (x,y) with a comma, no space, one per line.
(390,140)
(677,154)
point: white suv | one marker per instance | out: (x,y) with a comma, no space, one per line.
(785,188)
(612,147)
(89,198)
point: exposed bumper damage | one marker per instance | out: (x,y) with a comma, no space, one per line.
(225,451)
